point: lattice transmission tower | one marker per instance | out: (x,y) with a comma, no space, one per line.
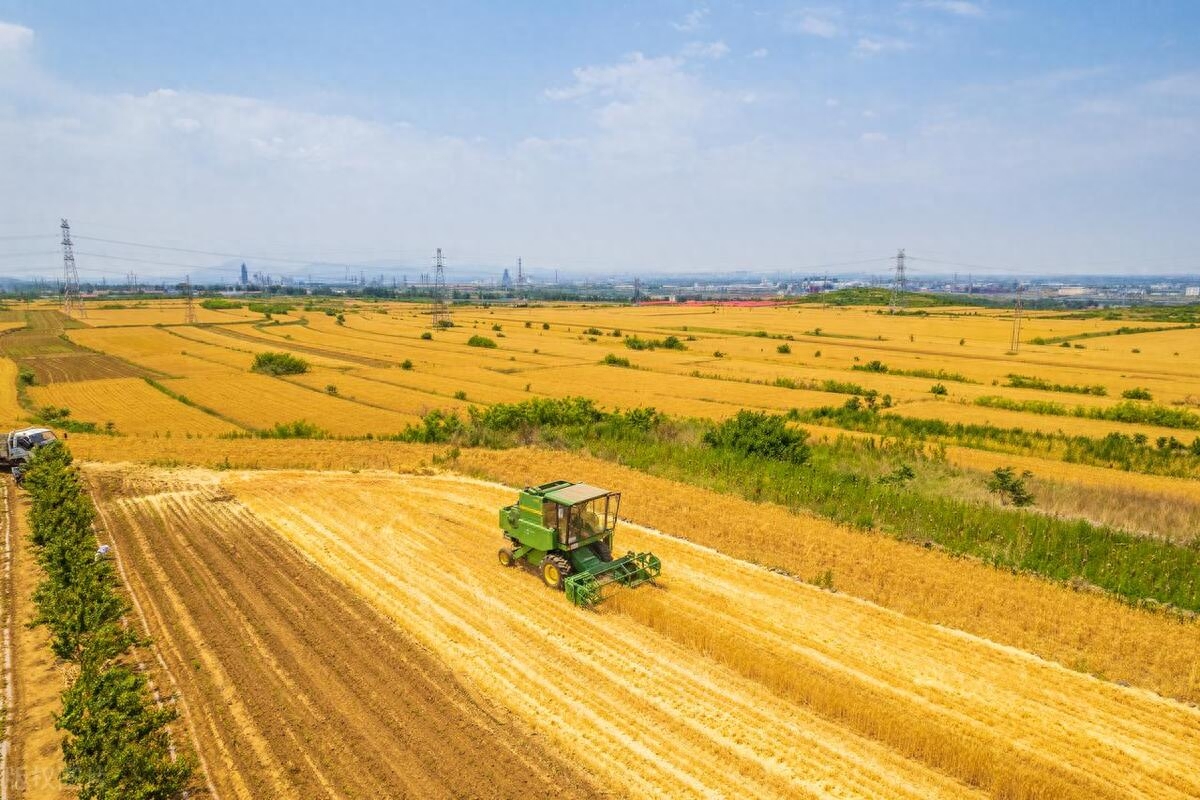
(1014,346)
(899,283)
(72,302)
(440,310)
(189,307)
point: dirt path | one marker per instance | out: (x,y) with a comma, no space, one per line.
(296,686)
(35,751)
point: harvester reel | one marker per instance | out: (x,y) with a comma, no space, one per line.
(555,569)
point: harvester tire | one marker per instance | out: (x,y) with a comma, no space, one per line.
(506,557)
(555,570)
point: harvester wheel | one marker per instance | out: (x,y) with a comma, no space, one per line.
(555,570)
(506,557)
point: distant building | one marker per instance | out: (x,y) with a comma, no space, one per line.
(1191,291)
(245,275)
(506,281)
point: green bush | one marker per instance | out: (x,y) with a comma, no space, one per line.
(300,429)
(426,335)
(1137,393)
(783,349)
(754,433)
(269,308)
(616,361)
(219,303)
(938,389)
(279,364)
(480,341)
(669,343)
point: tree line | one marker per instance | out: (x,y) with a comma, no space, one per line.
(117,746)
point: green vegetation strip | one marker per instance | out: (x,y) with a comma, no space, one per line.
(117,744)
(1168,456)
(1124,330)
(1129,411)
(931,374)
(759,457)
(1031,382)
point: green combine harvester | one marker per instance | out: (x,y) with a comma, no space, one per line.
(565,530)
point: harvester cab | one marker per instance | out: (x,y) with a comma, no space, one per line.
(566,530)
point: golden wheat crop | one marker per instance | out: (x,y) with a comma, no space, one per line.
(131,405)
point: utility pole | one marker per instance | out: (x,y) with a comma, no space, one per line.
(71,299)
(189,308)
(637,289)
(440,311)
(899,283)
(1014,346)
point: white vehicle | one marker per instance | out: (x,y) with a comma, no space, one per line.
(18,446)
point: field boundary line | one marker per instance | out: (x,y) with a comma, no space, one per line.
(162,662)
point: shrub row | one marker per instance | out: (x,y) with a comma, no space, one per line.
(117,743)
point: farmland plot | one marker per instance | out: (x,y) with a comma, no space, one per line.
(132,405)
(729,679)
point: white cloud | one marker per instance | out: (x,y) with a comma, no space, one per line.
(872,137)
(692,21)
(1181,84)
(875,45)
(813,22)
(960,8)
(759,52)
(14,38)
(632,74)
(713,50)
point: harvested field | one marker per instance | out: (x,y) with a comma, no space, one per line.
(294,686)
(78,366)
(729,680)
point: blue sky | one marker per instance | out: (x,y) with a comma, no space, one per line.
(1019,137)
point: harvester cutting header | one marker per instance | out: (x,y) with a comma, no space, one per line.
(566,530)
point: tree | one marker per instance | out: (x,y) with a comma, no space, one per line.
(1010,487)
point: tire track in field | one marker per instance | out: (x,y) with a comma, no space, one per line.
(301,688)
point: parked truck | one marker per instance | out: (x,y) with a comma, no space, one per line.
(18,447)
